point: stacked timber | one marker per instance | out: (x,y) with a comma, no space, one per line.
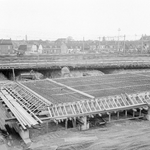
(23,117)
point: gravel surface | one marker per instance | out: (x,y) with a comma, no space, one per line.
(123,135)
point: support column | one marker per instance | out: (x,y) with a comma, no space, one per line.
(47,126)
(109,114)
(13,71)
(126,113)
(74,122)
(85,124)
(140,113)
(118,115)
(66,123)
(24,134)
(134,110)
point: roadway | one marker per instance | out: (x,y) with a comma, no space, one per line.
(75,61)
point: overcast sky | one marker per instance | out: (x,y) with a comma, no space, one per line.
(52,19)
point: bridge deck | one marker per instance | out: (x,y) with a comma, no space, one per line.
(75,60)
(72,97)
(97,86)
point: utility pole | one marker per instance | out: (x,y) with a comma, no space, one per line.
(118,37)
(142,43)
(124,44)
(99,43)
(83,43)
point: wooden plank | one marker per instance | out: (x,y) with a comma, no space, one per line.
(24,113)
(84,106)
(80,108)
(97,104)
(13,111)
(21,110)
(49,112)
(93,106)
(56,110)
(89,106)
(75,90)
(73,109)
(60,109)
(27,108)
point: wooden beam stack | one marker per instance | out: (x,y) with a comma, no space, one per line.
(23,117)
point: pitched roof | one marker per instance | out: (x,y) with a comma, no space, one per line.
(5,42)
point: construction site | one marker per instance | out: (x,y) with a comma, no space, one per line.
(36,108)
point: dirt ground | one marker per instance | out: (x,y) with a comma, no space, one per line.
(122,135)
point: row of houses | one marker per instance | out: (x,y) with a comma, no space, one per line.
(62,46)
(6,46)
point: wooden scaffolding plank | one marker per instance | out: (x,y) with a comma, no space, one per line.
(23,124)
(75,90)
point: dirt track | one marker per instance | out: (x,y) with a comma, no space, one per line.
(125,135)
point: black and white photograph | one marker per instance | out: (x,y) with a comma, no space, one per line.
(74,75)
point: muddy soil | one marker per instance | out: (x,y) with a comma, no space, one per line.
(123,135)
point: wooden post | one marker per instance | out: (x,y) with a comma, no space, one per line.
(85,125)
(74,122)
(148,113)
(109,117)
(133,113)
(140,114)
(126,113)
(118,115)
(47,126)
(13,71)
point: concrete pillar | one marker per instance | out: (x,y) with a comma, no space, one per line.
(47,126)
(24,134)
(13,71)
(109,114)
(140,113)
(133,113)
(66,123)
(74,122)
(126,113)
(118,115)
(85,125)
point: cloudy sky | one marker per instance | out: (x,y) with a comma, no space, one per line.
(52,19)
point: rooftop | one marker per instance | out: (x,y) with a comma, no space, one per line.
(5,42)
